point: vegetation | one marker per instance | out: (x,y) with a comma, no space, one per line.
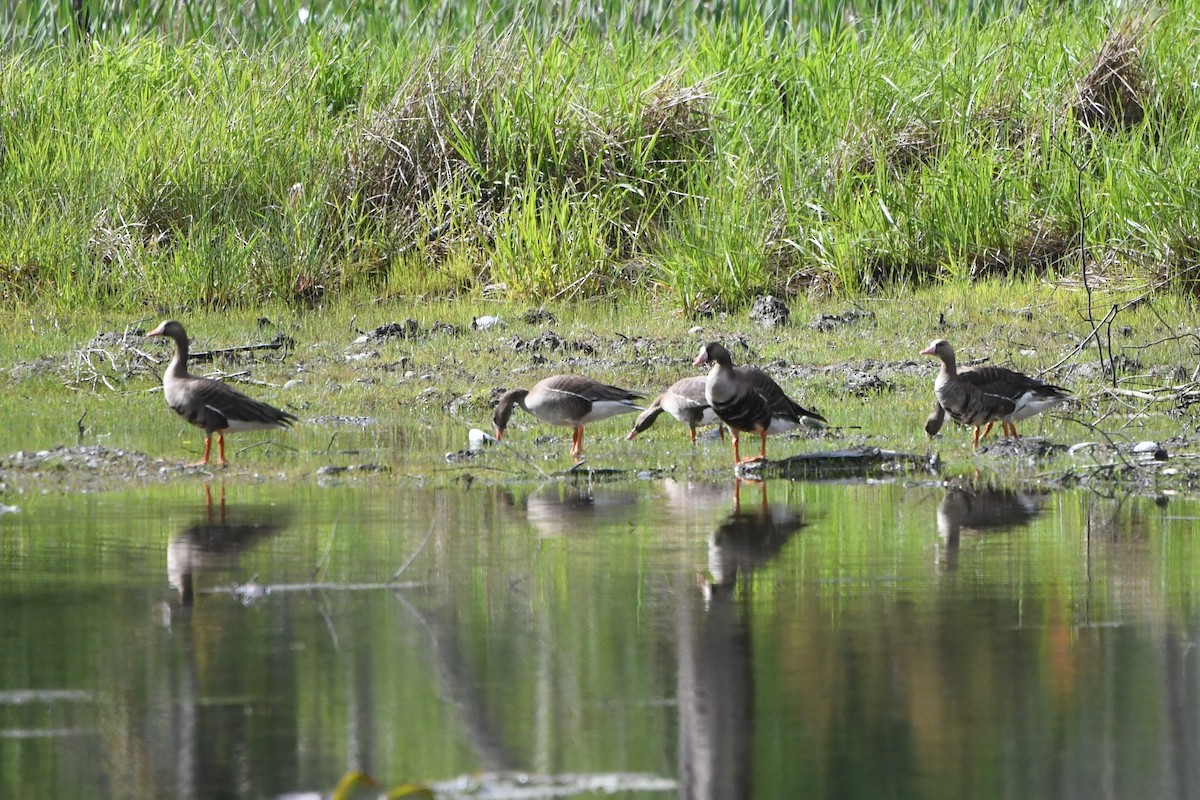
(187,157)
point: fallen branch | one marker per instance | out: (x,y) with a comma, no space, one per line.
(1143,395)
(209,355)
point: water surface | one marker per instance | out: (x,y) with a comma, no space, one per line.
(820,640)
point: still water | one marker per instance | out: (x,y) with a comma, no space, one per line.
(798,640)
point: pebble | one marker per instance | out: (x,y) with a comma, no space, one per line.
(478,439)
(486,323)
(1152,449)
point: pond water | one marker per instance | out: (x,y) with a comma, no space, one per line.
(841,640)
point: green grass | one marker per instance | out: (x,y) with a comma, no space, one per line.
(425,392)
(697,159)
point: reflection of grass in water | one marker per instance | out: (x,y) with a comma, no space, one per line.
(425,391)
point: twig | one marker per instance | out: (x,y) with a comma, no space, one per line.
(1140,395)
(209,355)
(413,557)
(1079,347)
(1107,438)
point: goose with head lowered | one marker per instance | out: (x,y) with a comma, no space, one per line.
(570,400)
(685,401)
(982,396)
(749,401)
(210,404)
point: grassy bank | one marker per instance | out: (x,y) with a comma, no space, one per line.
(402,402)
(697,159)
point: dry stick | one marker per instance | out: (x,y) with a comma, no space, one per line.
(209,355)
(1107,438)
(1082,344)
(1083,265)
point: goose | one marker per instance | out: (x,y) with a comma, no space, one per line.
(570,400)
(210,404)
(935,420)
(981,396)
(748,400)
(685,401)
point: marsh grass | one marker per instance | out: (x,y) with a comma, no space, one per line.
(184,160)
(425,390)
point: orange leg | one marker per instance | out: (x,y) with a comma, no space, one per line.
(207,450)
(221,449)
(693,433)
(762,455)
(1010,429)
(733,434)
(577,441)
(980,436)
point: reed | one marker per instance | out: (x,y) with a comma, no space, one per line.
(181,156)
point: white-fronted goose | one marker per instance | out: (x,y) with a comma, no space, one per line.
(935,420)
(685,401)
(981,396)
(570,400)
(747,399)
(210,404)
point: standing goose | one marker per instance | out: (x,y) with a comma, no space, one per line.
(747,399)
(980,396)
(210,404)
(570,400)
(685,401)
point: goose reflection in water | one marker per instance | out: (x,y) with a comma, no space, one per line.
(716,650)
(980,510)
(216,539)
(748,538)
(564,509)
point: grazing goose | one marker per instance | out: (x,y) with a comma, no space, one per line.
(979,396)
(685,401)
(933,423)
(747,399)
(570,400)
(210,404)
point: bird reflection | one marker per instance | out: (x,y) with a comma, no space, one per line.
(980,510)
(748,538)
(716,675)
(564,509)
(215,540)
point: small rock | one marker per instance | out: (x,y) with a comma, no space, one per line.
(487,323)
(478,439)
(862,384)
(293,383)
(1152,450)
(769,311)
(353,358)
(539,316)
(829,322)
(407,329)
